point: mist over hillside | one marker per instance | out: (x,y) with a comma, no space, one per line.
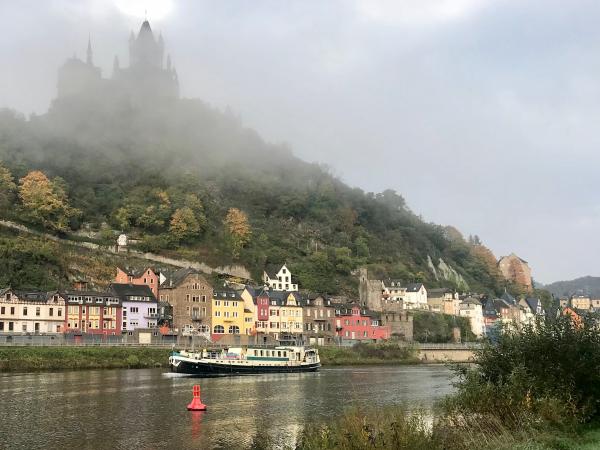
(133,157)
(588,286)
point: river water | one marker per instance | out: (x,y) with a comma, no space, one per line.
(126,409)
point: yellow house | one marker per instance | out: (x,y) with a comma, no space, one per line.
(228,312)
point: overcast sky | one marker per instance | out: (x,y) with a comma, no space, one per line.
(483,114)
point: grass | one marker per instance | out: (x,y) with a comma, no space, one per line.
(29,359)
(367,354)
(394,428)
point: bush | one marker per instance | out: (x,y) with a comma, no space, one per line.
(550,369)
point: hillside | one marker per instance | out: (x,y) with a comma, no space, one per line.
(169,172)
(589,286)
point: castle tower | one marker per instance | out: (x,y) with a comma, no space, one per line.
(89,55)
(144,50)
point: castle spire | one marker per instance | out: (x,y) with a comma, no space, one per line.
(89,58)
(115,66)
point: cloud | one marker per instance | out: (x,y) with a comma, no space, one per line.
(417,12)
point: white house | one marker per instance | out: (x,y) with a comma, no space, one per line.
(31,312)
(473,310)
(415,296)
(280,280)
(393,291)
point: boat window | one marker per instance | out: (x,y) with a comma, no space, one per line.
(261,353)
(279,354)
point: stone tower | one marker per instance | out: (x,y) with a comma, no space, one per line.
(369,291)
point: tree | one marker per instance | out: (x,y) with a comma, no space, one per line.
(7,188)
(238,229)
(45,202)
(184,224)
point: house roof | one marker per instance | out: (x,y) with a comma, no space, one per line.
(177,277)
(533,304)
(272,269)
(432,292)
(414,287)
(226,293)
(280,297)
(470,301)
(135,272)
(126,290)
(33,295)
(346,310)
(508,298)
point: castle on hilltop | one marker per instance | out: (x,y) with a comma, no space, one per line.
(148,75)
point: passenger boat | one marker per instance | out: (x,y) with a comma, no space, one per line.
(239,360)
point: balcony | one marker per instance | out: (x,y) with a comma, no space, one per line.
(197,317)
(151,316)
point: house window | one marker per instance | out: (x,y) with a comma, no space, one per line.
(12,310)
(51,312)
(2,310)
(219,329)
(25,310)
(1,326)
(234,329)
(11,326)
(204,299)
(37,311)
(24,327)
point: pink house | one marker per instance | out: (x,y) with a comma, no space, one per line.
(147,277)
(353,323)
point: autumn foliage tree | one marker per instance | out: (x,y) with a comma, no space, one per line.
(7,189)
(45,201)
(238,228)
(184,224)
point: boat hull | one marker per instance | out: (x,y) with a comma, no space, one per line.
(209,368)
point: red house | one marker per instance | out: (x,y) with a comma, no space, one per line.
(147,277)
(353,323)
(93,312)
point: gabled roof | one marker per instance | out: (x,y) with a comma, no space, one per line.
(414,287)
(438,291)
(136,273)
(226,293)
(174,279)
(272,269)
(534,304)
(280,297)
(33,295)
(126,290)
(508,298)
(470,301)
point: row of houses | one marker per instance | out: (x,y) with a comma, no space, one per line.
(184,302)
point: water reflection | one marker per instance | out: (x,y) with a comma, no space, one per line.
(125,409)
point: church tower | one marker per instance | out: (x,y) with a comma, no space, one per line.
(144,50)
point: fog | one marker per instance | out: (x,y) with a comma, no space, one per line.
(483,114)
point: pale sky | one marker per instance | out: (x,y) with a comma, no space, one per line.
(482,114)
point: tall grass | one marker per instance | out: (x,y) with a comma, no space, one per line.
(368,353)
(28,359)
(536,388)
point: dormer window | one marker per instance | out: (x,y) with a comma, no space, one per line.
(284,270)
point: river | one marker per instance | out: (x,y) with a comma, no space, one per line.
(125,409)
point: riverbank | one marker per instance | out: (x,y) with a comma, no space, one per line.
(32,359)
(396,428)
(368,354)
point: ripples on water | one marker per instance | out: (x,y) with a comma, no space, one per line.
(124,409)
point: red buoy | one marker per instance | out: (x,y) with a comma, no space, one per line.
(196,404)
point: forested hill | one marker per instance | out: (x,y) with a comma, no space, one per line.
(186,179)
(589,286)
